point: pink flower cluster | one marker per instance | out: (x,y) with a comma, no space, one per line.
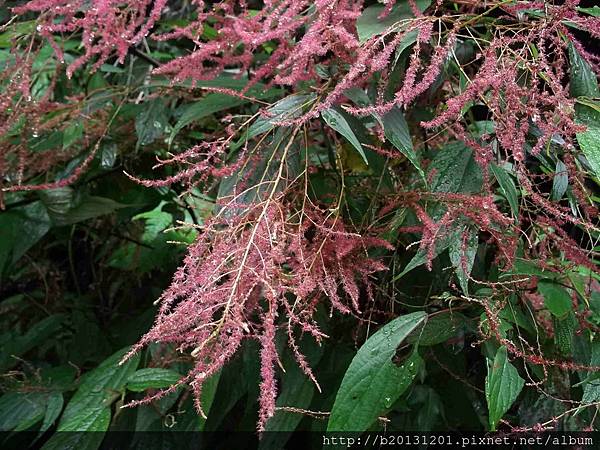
(108,26)
(243,272)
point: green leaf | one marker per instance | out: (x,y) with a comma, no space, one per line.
(463,257)
(585,84)
(507,187)
(215,102)
(152,121)
(65,208)
(287,108)
(84,433)
(108,155)
(556,298)
(88,413)
(593,11)
(502,387)
(589,140)
(35,336)
(72,134)
(396,131)
(211,104)
(447,237)
(527,267)
(17,29)
(369,24)
(154,377)
(98,387)
(583,78)
(560,182)
(438,328)
(591,391)
(22,228)
(421,257)
(455,170)
(209,390)
(336,120)
(264,168)
(156,222)
(20,410)
(53,410)
(373,382)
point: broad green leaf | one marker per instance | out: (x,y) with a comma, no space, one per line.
(152,121)
(16,29)
(369,24)
(53,409)
(373,382)
(585,84)
(591,390)
(36,335)
(560,182)
(236,380)
(111,69)
(157,221)
(65,208)
(589,140)
(209,390)
(88,412)
(211,104)
(20,410)
(88,208)
(59,378)
(438,328)
(97,389)
(85,432)
(21,228)
(72,134)
(215,102)
(153,377)
(527,267)
(463,256)
(502,387)
(397,132)
(358,96)
(455,170)
(42,330)
(593,11)
(287,108)
(583,78)
(46,141)
(108,155)
(421,257)
(58,201)
(409,39)
(336,120)
(507,187)
(556,298)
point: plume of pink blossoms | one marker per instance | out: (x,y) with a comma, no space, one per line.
(243,273)
(108,27)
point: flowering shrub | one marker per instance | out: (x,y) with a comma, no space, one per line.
(426,169)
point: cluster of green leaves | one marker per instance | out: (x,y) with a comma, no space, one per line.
(80,267)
